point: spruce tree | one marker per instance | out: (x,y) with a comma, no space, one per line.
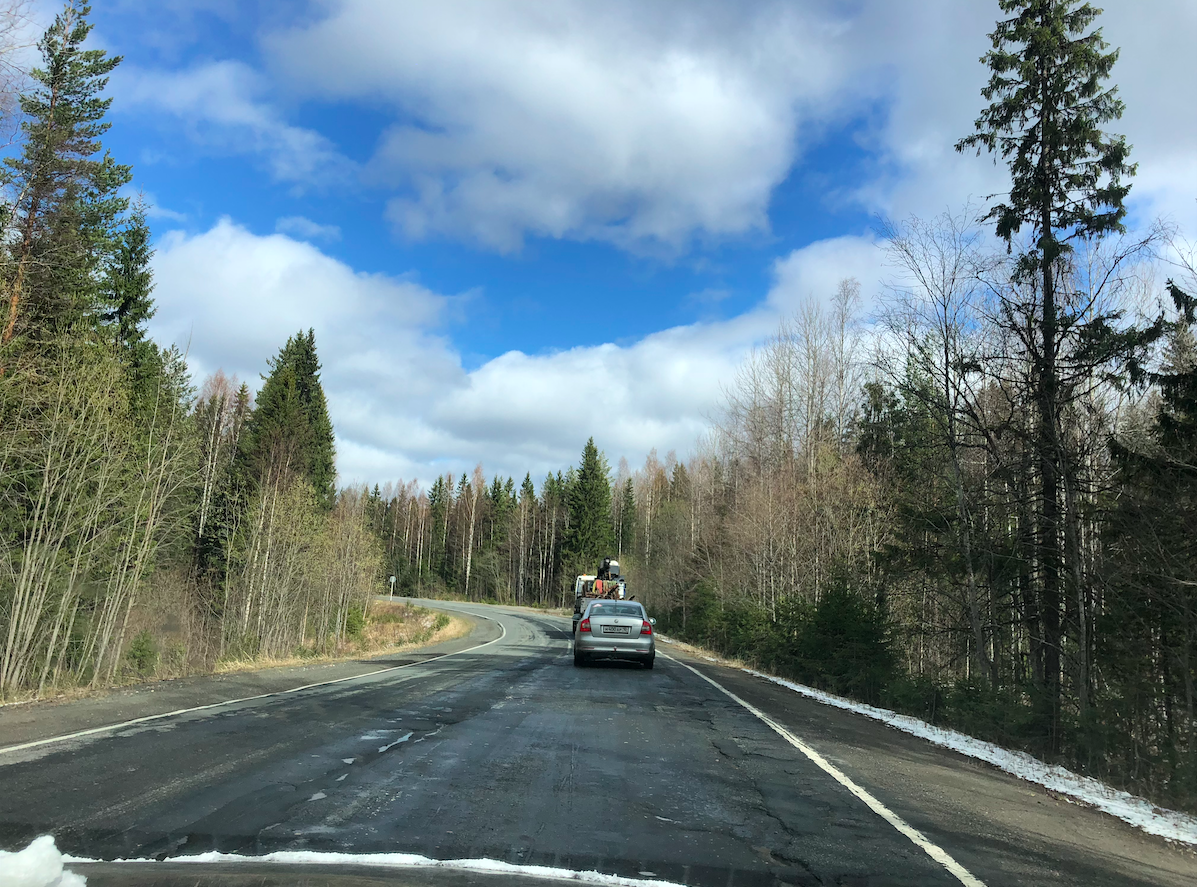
(1149,622)
(590,535)
(65,215)
(129,286)
(290,430)
(1047,105)
(627,518)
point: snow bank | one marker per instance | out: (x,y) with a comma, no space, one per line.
(405,860)
(38,865)
(1168,824)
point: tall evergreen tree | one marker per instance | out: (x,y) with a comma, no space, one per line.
(290,429)
(66,207)
(590,535)
(626,531)
(1048,103)
(129,286)
(1149,637)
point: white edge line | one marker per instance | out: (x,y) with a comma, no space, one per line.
(920,840)
(394,860)
(8,749)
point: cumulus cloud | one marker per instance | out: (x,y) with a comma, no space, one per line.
(623,122)
(651,125)
(221,106)
(813,273)
(401,402)
(232,298)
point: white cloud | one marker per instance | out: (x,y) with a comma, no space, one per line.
(632,123)
(220,105)
(306,229)
(651,125)
(401,402)
(813,273)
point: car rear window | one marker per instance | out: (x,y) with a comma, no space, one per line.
(616,610)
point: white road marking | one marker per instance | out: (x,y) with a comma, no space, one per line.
(78,734)
(917,838)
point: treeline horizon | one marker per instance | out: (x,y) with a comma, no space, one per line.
(981,509)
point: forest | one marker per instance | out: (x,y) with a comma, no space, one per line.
(970,496)
(146,527)
(974,501)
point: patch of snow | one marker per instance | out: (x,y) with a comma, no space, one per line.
(319,796)
(348,760)
(1171,825)
(410,860)
(396,742)
(38,865)
(342,777)
(375,735)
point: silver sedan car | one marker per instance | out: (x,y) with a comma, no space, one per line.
(615,630)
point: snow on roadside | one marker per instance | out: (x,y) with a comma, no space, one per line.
(1168,824)
(38,865)
(404,860)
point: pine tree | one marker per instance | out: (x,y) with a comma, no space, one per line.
(590,535)
(1047,106)
(66,207)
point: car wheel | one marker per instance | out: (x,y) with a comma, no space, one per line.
(648,663)
(579,660)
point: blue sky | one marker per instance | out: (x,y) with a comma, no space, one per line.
(510,222)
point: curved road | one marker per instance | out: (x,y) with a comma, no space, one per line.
(505,751)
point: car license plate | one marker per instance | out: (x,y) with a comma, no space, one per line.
(616,629)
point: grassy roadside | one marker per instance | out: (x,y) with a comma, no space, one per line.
(490,602)
(387,628)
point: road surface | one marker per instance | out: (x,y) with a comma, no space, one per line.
(504,750)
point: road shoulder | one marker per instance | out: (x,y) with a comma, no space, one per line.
(1002,828)
(34,721)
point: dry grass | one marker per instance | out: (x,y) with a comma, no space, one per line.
(390,628)
(703,653)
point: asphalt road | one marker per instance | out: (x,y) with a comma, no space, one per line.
(508,752)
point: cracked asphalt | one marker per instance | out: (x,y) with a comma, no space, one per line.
(509,752)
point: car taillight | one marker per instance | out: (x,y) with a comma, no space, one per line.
(584,625)
(646,627)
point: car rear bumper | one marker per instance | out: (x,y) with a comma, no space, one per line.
(641,647)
